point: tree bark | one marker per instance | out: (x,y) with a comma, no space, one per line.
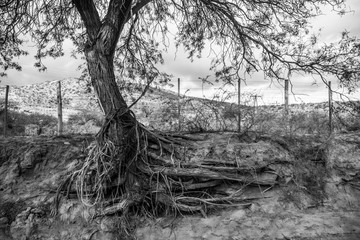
(59,105)
(114,105)
(99,51)
(103,36)
(103,80)
(120,124)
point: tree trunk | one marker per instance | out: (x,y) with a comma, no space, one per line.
(119,130)
(101,70)
(99,53)
(118,142)
(119,121)
(103,36)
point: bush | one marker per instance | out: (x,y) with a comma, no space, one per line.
(313,122)
(264,121)
(354,125)
(33,118)
(18,120)
(354,118)
(272,121)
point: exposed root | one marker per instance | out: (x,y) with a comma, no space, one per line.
(93,177)
(143,171)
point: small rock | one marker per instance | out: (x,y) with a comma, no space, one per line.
(29,160)
(108,224)
(238,214)
(12,174)
(32,130)
(4,221)
(89,128)
(103,236)
(255,207)
(64,234)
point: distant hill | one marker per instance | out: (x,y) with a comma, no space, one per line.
(158,109)
(77,96)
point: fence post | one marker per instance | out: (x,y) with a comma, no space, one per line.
(255,102)
(286,107)
(239,110)
(330,108)
(179,117)
(6,109)
(286,97)
(59,103)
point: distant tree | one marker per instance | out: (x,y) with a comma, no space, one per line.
(128,35)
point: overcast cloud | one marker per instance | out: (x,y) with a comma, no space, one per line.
(305,88)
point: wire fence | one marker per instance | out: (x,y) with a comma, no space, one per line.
(35,110)
(179,113)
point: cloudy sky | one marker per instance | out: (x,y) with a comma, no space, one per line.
(304,88)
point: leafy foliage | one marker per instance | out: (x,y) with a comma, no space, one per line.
(246,36)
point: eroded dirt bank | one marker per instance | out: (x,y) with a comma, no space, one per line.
(310,189)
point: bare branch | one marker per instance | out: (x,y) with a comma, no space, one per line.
(90,17)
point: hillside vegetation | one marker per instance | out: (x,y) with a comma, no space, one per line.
(158,109)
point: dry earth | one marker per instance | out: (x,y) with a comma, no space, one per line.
(313,191)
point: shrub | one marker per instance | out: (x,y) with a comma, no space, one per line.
(313,122)
(32,118)
(18,120)
(354,125)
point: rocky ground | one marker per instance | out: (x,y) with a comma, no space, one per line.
(310,189)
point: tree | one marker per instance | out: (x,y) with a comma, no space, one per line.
(127,36)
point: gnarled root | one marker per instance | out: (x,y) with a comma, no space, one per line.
(146,171)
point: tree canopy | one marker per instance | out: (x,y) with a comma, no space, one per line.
(269,36)
(129,166)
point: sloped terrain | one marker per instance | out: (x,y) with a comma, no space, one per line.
(78,99)
(299,188)
(82,113)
